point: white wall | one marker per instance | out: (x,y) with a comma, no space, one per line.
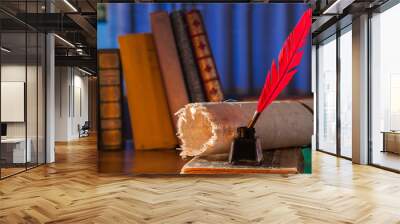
(33,126)
(15,72)
(80,110)
(61,103)
(71,102)
(10,73)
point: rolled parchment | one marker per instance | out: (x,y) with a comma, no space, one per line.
(209,128)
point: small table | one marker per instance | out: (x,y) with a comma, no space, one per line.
(391,141)
(13,150)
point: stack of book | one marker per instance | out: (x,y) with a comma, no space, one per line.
(163,71)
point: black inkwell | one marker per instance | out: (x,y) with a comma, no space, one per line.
(246,148)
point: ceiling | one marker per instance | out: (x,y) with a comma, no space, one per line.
(74,22)
(332,15)
(39,6)
(16,42)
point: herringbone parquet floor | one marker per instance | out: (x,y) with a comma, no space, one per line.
(71,191)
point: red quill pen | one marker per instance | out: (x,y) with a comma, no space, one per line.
(280,75)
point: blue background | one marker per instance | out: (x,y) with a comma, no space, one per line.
(244,39)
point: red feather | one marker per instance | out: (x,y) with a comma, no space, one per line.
(289,58)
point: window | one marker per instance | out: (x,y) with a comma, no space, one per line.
(385,89)
(345,92)
(334,94)
(326,91)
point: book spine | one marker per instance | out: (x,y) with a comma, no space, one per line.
(189,65)
(110,104)
(150,119)
(171,71)
(204,57)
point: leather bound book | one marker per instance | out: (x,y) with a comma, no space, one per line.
(170,65)
(110,95)
(204,57)
(188,61)
(150,119)
(277,161)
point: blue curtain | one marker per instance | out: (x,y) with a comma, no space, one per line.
(244,39)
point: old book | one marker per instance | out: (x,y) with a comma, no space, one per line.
(277,161)
(187,58)
(170,65)
(204,57)
(110,95)
(284,124)
(150,118)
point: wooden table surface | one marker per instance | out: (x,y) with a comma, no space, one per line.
(168,161)
(130,161)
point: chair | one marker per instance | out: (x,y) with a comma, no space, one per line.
(84,130)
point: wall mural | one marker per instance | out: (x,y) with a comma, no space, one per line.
(206,88)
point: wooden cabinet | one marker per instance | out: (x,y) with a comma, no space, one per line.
(391,141)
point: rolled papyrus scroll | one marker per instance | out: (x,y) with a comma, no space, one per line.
(208,128)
